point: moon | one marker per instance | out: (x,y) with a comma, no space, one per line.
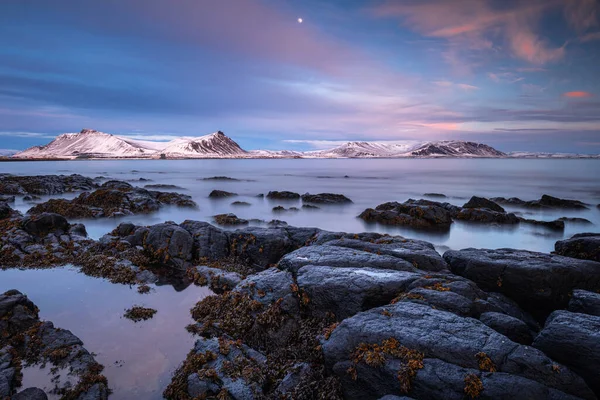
(299,20)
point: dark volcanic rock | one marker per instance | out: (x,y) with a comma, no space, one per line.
(409,214)
(163,187)
(216,279)
(545,201)
(414,349)
(44,184)
(556,225)
(220,194)
(241,204)
(576,220)
(310,207)
(585,302)
(573,339)
(585,246)
(325,198)
(219,178)
(170,244)
(229,220)
(485,215)
(480,202)
(6,211)
(284,195)
(539,282)
(45,223)
(7,199)
(511,327)
(279,209)
(113,199)
(210,242)
(31,393)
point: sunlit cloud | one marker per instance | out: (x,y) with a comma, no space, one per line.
(578,94)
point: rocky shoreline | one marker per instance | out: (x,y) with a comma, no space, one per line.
(303,313)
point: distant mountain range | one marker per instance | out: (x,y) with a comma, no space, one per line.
(93,144)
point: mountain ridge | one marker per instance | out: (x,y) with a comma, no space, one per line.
(89,143)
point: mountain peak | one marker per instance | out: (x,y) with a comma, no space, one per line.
(88,131)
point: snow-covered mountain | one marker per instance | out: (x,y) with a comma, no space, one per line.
(93,144)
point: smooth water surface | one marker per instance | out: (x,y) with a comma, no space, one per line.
(139,358)
(368,182)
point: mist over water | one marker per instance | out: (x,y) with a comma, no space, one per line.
(368,182)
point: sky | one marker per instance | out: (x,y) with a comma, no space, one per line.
(517,75)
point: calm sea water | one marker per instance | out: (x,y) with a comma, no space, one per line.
(140,358)
(367,182)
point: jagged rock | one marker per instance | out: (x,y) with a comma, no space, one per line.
(340,257)
(539,282)
(585,246)
(409,214)
(229,220)
(325,198)
(428,353)
(220,194)
(545,201)
(44,184)
(573,339)
(114,198)
(284,195)
(585,302)
(31,393)
(480,202)
(347,291)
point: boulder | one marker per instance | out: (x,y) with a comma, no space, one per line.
(169,244)
(7,199)
(325,198)
(511,327)
(45,223)
(545,201)
(409,214)
(210,242)
(284,195)
(585,302)
(480,202)
(341,257)
(414,349)
(485,215)
(556,225)
(229,220)
(538,282)
(31,393)
(220,194)
(573,339)
(585,246)
(44,184)
(240,204)
(216,279)
(6,211)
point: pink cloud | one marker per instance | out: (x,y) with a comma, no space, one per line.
(578,94)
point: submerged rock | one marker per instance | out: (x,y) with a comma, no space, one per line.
(241,204)
(585,246)
(480,202)
(221,194)
(409,214)
(485,215)
(229,220)
(540,283)
(325,198)
(573,339)
(556,225)
(163,186)
(216,279)
(44,184)
(284,195)
(545,201)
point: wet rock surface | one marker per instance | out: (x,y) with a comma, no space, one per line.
(221,194)
(585,302)
(480,202)
(408,214)
(230,220)
(325,198)
(26,340)
(545,201)
(539,282)
(113,199)
(44,184)
(585,246)
(573,339)
(283,195)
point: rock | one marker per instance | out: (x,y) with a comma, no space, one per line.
(409,214)
(576,220)
(480,202)
(556,225)
(279,209)
(341,257)
(114,198)
(219,178)
(585,302)
(539,282)
(215,278)
(511,327)
(31,393)
(347,291)
(276,223)
(269,286)
(169,244)
(298,372)
(325,198)
(161,186)
(229,220)
(585,246)
(284,195)
(45,223)
(44,184)
(435,195)
(209,241)
(31,197)
(220,194)
(545,201)
(413,349)
(486,216)
(420,254)
(5,210)
(573,339)
(310,207)
(217,361)
(241,204)
(7,199)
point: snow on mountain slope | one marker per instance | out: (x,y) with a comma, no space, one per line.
(455,148)
(214,145)
(89,143)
